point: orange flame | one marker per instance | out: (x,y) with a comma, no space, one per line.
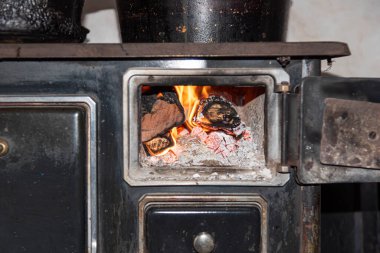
(174,134)
(190,96)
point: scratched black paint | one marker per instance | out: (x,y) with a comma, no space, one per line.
(42,180)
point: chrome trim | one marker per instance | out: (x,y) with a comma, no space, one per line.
(90,106)
(175,200)
(133,79)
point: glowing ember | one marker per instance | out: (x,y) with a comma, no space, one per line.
(210,144)
(215,149)
(211,119)
(161,145)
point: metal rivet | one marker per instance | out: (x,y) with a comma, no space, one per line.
(372,135)
(4,148)
(204,243)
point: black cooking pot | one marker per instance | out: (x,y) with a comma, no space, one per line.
(41,21)
(203,20)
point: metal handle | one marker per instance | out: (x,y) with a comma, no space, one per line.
(4,147)
(204,243)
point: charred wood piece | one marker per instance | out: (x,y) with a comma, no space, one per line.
(160,113)
(159,144)
(216,113)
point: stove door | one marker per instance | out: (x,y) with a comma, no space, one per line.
(47,174)
(339,130)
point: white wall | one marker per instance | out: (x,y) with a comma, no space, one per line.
(356,22)
(352,21)
(100,17)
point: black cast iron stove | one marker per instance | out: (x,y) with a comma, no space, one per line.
(78,173)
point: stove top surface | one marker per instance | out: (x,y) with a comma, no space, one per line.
(294,50)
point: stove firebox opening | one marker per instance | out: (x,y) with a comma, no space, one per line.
(203,126)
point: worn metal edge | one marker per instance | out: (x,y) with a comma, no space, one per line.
(320,50)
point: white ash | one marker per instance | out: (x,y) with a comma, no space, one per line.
(253,115)
(216,149)
(196,175)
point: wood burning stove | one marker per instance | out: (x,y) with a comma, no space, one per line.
(77,175)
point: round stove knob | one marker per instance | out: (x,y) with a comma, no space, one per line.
(204,243)
(3,147)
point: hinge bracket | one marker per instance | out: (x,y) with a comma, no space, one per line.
(284,60)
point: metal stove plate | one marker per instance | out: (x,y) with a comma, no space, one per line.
(350,133)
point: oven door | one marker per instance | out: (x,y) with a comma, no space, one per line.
(47,174)
(339,130)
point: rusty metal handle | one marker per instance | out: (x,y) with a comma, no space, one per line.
(4,147)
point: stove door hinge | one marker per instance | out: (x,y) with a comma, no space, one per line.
(289,126)
(290,130)
(283,169)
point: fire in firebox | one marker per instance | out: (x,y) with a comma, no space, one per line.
(202,126)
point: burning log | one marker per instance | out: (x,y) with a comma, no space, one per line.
(160,113)
(216,113)
(159,144)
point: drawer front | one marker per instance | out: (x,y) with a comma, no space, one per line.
(202,224)
(230,229)
(43,178)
